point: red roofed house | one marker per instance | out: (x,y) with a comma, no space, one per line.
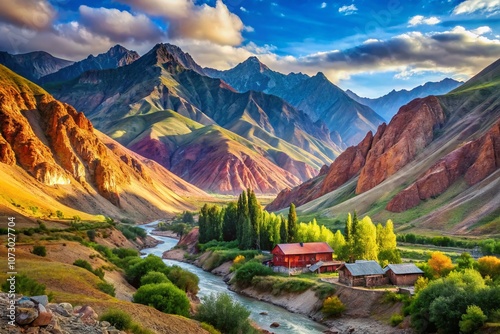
(301,255)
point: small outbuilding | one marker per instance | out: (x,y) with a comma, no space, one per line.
(362,273)
(403,274)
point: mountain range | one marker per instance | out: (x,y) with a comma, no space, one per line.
(33,65)
(249,139)
(53,159)
(434,167)
(347,120)
(388,105)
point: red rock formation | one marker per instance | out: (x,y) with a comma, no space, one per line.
(474,160)
(408,133)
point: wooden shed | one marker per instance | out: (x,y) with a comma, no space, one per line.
(300,255)
(362,273)
(403,274)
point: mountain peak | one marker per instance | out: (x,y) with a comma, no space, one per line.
(254,64)
(165,52)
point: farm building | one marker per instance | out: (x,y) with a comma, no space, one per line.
(362,273)
(403,274)
(302,255)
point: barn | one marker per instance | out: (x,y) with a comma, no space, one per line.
(362,273)
(403,274)
(302,254)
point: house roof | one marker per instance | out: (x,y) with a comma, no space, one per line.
(305,248)
(364,268)
(403,269)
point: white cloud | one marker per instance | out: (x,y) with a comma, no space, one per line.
(243,9)
(323,5)
(419,19)
(29,14)
(348,10)
(119,25)
(249,29)
(201,22)
(482,6)
(482,30)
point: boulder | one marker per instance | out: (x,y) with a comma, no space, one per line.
(43,299)
(86,314)
(274,325)
(44,317)
(25,315)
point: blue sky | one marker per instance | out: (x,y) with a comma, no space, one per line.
(370,47)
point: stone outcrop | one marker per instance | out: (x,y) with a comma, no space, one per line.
(409,132)
(474,161)
(32,316)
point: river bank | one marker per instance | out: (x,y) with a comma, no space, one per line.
(365,310)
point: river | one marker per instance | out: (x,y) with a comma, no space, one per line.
(210,283)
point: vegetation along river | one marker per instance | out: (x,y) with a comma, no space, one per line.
(210,283)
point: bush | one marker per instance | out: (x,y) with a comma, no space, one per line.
(83,264)
(183,279)
(138,329)
(333,306)
(117,318)
(472,320)
(91,234)
(396,319)
(141,267)
(107,288)
(209,328)
(25,286)
(164,297)
(154,277)
(223,313)
(39,250)
(249,270)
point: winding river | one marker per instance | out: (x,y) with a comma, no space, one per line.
(210,283)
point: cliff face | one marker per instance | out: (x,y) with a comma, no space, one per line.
(409,132)
(474,161)
(59,147)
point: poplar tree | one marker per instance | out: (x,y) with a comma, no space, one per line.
(292,223)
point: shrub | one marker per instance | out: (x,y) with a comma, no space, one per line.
(83,264)
(107,288)
(99,273)
(249,270)
(396,319)
(25,285)
(164,297)
(59,214)
(209,328)
(117,318)
(154,277)
(141,267)
(138,329)
(421,284)
(183,279)
(223,313)
(39,250)
(472,320)
(333,306)
(91,234)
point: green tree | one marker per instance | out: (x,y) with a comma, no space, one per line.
(254,212)
(203,225)
(230,222)
(472,320)
(154,277)
(465,261)
(292,223)
(365,240)
(184,279)
(143,266)
(223,313)
(187,217)
(283,230)
(348,228)
(164,297)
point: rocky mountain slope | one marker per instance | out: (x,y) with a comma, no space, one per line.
(347,120)
(388,105)
(435,164)
(33,65)
(259,137)
(53,159)
(115,57)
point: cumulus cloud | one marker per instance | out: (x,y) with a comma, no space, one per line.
(473,6)
(187,20)
(29,14)
(348,10)
(323,5)
(419,19)
(118,25)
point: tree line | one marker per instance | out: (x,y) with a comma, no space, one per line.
(255,228)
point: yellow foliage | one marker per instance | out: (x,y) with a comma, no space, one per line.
(489,266)
(239,259)
(440,264)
